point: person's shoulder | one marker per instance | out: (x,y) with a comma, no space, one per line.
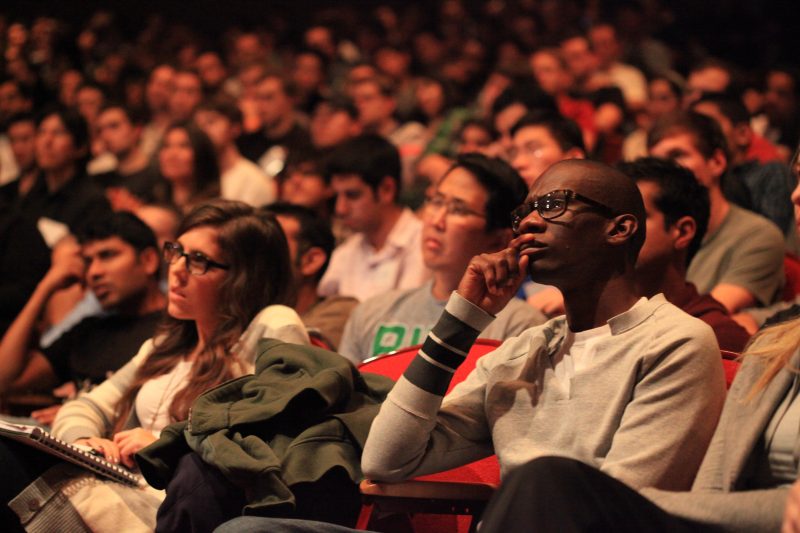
(380,306)
(670,321)
(746,220)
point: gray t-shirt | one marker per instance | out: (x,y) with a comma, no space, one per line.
(404,318)
(746,250)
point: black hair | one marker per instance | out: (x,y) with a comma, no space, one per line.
(123,224)
(19,116)
(706,132)
(527,92)
(224,106)
(370,157)
(565,131)
(75,125)
(505,188)
(135,117)
(731,108)
(478,123)
(674,86)
(680,194)
(315,231)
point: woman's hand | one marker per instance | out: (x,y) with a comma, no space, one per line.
(131,441)
(106,447)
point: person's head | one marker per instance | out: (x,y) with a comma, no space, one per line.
(664,96)
(274,99)
(186,95)
(517,100)
(375,101)
(118,129)
(606,46)
(579,56)
(89,98)
(221,120)
(62,140)
(733,119)
(677,208)
(163,219)
(712,76)
(122,260)
(333,122)
(588,221)
(159,88)
(541,139)
(211,69)
(21,131)
(311,241)
(468,212)
(217,285)
(305,182)
(309,72)
(434,96)
(365,175)
(68,83)
(550,70)
(780,97)
(694,141)
(187,156)
(12,99)
(475,136)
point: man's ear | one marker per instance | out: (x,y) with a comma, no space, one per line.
(718,162)
(311,261)
(150,258)
(387,190)
(621,229)
(682,232)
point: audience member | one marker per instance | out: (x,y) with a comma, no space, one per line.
(134,180)
(158,93)
(741,259)
(118,260)
(305,182)
(656,369)
(186,95)
(188,163)
(311,245)
(770,184)
(743,484)
(240,178)
(375,100)
(608,51)
(280,131)
(677,210)
(541,139)
(384,252)
(333,122)
(217,286)
(466,215)
(21,130)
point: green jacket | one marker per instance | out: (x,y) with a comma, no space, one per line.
(305,412)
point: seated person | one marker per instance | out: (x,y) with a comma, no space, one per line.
(742,484)
(638,380)
(216,288)
(741,259)
(311,243)
(384,253)
(677,215)
(465,216)
(118,260)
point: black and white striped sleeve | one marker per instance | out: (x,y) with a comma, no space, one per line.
(447,345)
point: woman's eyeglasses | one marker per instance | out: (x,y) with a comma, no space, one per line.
(197,263)
(553,205)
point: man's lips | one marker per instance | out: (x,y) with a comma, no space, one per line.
(531,248)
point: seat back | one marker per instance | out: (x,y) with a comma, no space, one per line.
(791,272)
(730,364)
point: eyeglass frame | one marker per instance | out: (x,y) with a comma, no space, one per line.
(439,201)
(191,258)
(526,208)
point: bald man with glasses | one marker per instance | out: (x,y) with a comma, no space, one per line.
(465,216)
(630,385)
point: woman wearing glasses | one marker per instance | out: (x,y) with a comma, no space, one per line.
(226,267)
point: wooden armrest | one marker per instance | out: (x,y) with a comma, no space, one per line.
(436,490)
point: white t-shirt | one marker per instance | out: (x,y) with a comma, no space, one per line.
(155,397)
(246,182)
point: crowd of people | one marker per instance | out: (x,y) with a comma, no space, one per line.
(612,205)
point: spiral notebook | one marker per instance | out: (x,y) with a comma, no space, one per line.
(40,439)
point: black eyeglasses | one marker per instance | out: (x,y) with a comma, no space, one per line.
(553,205)
(197,263)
